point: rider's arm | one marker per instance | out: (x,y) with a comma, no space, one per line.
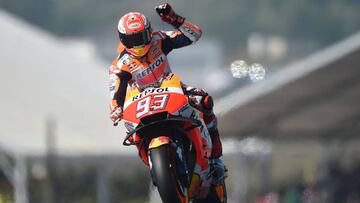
(187,34)
(119,78)
(189,30)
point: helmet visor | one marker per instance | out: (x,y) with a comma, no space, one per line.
(137,39)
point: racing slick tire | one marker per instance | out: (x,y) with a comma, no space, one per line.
(163,171)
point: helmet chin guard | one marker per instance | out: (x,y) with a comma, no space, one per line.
(135,33)
(139,51)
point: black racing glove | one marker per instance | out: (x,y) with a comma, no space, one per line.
(168,15)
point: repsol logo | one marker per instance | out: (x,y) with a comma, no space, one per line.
(151,68)
(150,91)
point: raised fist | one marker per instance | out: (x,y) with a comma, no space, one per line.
(168,15)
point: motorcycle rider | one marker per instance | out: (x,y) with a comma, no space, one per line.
(142,63)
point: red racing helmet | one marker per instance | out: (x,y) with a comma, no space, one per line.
(135,33)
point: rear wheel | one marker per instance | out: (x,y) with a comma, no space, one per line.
(163,172)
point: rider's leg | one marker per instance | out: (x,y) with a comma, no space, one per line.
(211,124)
(205,104)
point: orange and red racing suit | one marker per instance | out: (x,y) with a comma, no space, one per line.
(151,69)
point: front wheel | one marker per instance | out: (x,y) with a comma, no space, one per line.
(164,173)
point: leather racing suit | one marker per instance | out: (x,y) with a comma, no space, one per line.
(152,68)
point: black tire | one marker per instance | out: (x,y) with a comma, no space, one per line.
(163,171)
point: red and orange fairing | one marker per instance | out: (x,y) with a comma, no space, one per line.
(168,97)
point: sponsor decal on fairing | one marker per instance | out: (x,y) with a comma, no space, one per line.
(130,125)
(150,91)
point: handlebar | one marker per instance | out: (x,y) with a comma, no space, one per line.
(116,122)
(194,124)
(193,92)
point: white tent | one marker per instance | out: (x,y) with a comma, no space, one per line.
(43,76)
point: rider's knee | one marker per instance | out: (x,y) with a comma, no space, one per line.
(208,103)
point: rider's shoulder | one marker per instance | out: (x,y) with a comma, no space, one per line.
(120,48)
(122,62)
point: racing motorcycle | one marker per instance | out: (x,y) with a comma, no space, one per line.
(173,141)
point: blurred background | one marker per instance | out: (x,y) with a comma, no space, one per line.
(292,137)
